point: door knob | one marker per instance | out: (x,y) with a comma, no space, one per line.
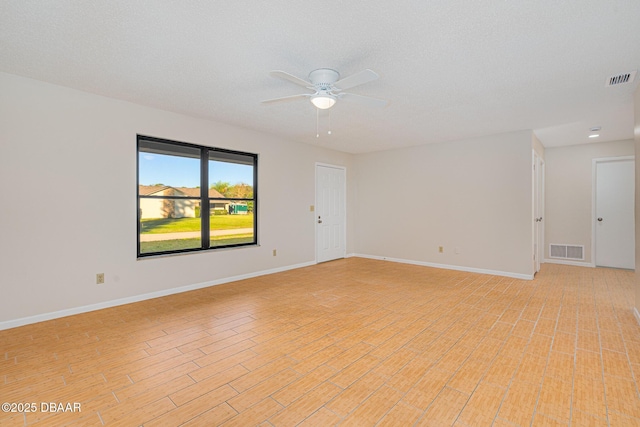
(600,219)
(319,220)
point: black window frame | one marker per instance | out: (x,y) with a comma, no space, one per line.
(204,199)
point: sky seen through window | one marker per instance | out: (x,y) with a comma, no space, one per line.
(176,171)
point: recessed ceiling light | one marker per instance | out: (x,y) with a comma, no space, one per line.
(595,128)
(594,135)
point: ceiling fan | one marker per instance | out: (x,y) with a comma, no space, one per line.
(328,87)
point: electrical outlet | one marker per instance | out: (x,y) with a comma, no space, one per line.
(99,278)
(274,252)
(441,249)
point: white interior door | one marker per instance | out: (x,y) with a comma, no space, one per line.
(330,213)
(538,211)
(614,213)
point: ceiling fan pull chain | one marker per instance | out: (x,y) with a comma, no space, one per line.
(329,131)
(317,125)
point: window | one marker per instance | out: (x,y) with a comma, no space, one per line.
(194,198)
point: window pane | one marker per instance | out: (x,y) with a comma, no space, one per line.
(231,180)
(232,225)
(231,199)
(162,168)
(170,234)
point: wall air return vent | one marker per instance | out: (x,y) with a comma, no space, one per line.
(622,78)
(572,252)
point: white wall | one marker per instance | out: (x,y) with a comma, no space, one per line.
(568,192)
(475,195)
(67,165)
(67,159)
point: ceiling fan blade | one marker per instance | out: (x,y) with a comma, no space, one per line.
(286,98)
(362,77)
(365,100)
(286,76)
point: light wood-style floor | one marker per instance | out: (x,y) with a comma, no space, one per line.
(350,342)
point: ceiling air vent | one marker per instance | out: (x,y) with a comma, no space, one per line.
(620,79)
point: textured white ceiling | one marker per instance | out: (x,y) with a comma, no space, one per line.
(450,69)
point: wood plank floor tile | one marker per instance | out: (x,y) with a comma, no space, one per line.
(580,418)
(616,364)
(305,406)
(400,414)
(589,396)
(355,371)
(564,342)
(555,399)
(488,348)
(618,419)
(206,385)
(467,378)
(589,363)
(482,407)
(322,417)
(262,373)
(519,403)
(445,409)
(349,356)
(560,366)
(499,331)
(303,385)
(392,364)
(539,345)
(541,420)
(350,342)
(622,395)
(374,408)
(425,391)
(137,404)
(267,387)
(194,408)
(588,340)
(212,417)
(222,365)
(531,368)
(357,393)
(162,377)
(410,374)
(142,414)
(254,415)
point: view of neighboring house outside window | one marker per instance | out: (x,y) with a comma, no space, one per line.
(174,213)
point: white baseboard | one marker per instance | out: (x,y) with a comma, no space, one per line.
(566,262)
(636,314)
(8,324)
(449,267)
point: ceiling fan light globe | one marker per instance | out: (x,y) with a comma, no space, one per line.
(323,102)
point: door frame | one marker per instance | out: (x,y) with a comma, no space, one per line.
(344,202)
(538,211)
(594,164)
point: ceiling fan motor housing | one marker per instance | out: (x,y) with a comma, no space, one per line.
(323,78)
